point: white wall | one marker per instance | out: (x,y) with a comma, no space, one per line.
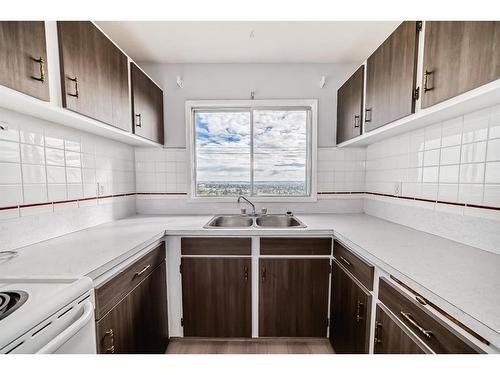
(448,177)
(236,81)
(48,180)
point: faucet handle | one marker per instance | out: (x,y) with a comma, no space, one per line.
(263,211)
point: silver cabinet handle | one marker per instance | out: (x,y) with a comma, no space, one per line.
(139,273)
(138,120)
(41,64)
(427,333)
(356,121)
(345,260)
(358,311)
(75,79)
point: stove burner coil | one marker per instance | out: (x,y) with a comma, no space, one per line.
(10,301)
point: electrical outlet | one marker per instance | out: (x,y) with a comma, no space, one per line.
(398,187)
(101,189)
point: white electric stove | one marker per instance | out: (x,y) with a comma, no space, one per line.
(47,315)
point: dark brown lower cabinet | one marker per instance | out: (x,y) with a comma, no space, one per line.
(138,323)
(293,297)
(216,297)
(392,338)
(350,314)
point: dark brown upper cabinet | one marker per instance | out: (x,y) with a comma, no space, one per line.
(459,56)
(349,313)
(391,337)
(391,76)
(216,297)
(94,74)
(23,57)
(350,107)
(293,297)
(147,106)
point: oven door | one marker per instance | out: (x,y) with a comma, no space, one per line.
(78,337)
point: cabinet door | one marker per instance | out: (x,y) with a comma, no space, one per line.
(23,57)
(216,297)
(459,56)
(350,107)
(391,338)
(138,323)
(390,77)
(147,106)
(350,314)
(94,74)
(293,297)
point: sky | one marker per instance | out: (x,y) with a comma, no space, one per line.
(223,145)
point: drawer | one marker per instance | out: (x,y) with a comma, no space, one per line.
(362,270)
(216,246)
(114,290)
(440,338)
(295,246)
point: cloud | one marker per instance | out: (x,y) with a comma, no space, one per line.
(223,145)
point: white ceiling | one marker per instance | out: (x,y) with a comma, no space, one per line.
(247,41)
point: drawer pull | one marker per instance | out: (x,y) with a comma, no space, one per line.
(377,326)
(111,334)
(345,260)
(358,311)
(420,300)
(41,64)
(427,333)
(245,273)
(75,80)
(139,273)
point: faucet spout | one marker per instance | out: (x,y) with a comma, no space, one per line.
(250,203)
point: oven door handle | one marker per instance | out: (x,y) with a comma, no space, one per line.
(65,335)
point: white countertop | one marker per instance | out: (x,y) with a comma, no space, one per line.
(462,276)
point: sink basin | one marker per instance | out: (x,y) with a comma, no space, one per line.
(230,221)
(262,221)
(279,221)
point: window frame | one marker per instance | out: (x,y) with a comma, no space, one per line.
(249,105)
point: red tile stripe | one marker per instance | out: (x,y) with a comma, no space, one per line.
(319,193)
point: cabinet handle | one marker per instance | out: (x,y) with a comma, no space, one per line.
(358,311)
(245,273)
(356,121)
(111,334)
(377,326)
(427,333)
(41,64)
(368,111)
(139,273)
(264,274)
(427,73)
(138,120)
(75,79)
(345,261)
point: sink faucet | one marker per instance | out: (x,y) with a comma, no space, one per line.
(250,203)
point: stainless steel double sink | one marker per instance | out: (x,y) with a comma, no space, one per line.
(259,221)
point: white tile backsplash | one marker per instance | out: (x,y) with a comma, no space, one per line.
(458,157)
(41,162)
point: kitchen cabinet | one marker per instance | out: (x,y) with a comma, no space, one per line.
(216,297)
(350,107)
(392,338)
(23,57)
(459,56)
(293,297)
(391,76)
(349,313)
(138,323)
(438,336)
(359,268)
(147,106)
(94,74)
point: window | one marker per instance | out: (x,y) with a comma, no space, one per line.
(255,148)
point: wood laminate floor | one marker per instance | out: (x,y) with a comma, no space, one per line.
(249,346)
